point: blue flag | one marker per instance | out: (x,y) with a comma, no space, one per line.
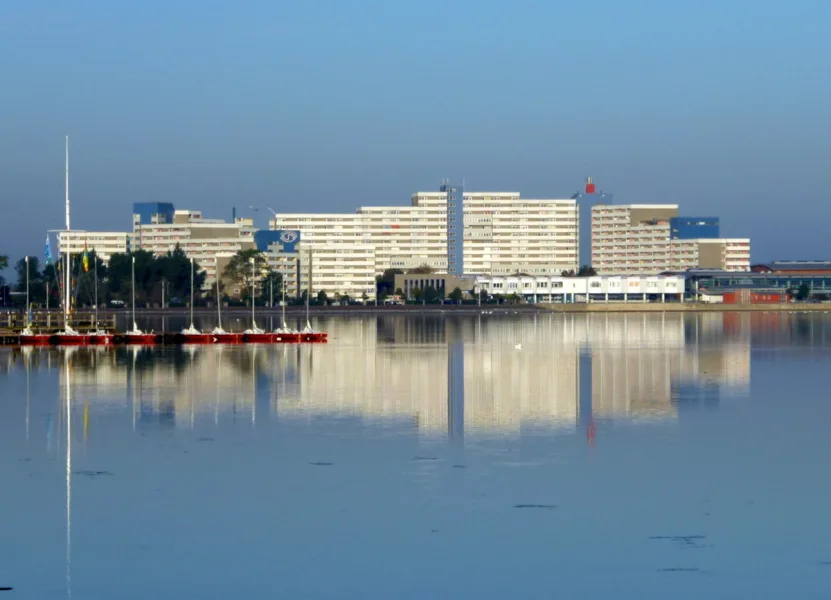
(48,251)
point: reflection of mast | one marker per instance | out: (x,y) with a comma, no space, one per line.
(27,355)
(68,402)
(254,386)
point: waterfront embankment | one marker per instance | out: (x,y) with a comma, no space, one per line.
(602,307)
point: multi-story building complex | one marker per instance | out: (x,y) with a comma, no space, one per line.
(631,239)
(103,243)
(646,239)
(159,228)
(720,254)
(502,234)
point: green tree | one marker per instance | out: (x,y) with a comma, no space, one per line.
(85,282)
(416,293)
(239,270)
(456,295)
(422,270)
(322,298)
(586,271)
(346,298)
(399,292)
(272,283)
(37,286)
(4,263)
(431,294)
(173,269)
(386,282)
(803,292)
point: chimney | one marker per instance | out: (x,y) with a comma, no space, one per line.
(590,189)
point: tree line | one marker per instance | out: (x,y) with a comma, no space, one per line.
(158,278)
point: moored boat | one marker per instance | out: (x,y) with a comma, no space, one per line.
(100,337)
(227,338)
(137,336)
(257,336)
(70,337)
(191,335)
(286,336)
(30,338)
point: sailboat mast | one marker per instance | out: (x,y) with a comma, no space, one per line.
(191,292)
(253,319)
(218,304)
(68,264)
(283,324)
(133,289)
(95,271)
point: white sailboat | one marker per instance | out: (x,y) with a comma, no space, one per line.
(254,333)
(219,335)
(136,335)
(68,335)
(191,334)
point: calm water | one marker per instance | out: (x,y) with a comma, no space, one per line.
(619,456)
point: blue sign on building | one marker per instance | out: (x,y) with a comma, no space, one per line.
(287,239)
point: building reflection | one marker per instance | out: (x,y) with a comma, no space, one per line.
(453,377)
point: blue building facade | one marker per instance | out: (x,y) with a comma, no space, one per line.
(585,201)
(455,228)
(694,228)
(150,213)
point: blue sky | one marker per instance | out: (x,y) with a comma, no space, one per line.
(722,107)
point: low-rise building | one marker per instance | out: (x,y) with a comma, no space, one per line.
(659,288)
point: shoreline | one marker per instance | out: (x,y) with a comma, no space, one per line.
(413,309)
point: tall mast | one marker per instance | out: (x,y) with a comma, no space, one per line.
(191,293)
(68,262)
(253,274)
(218,305)
(133,289)
(95,270)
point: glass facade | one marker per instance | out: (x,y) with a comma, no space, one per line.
(759,281)
(455,229)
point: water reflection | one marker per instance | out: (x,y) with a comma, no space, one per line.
(445,376)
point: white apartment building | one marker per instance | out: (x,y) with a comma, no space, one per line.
(631,239)
(210,242)
(636,239)
(726,254)
(103,243)
(504,234)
